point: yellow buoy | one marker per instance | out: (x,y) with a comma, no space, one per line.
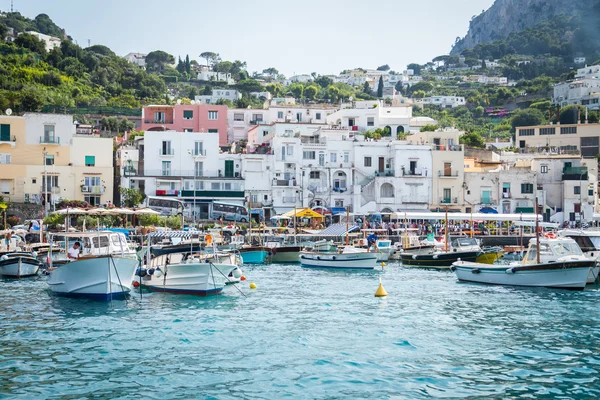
(252,285)
(383,264)
(380,292)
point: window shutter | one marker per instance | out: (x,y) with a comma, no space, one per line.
(5,132)
(90,160)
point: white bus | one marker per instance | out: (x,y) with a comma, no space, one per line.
(165,206)
(229,212)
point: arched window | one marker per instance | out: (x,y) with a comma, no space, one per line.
(386,190)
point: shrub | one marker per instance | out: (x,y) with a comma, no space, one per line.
(13,220)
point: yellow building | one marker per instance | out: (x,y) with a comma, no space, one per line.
(42,154)
(583,139)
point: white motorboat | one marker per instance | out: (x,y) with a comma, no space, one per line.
(104,270)
(560,263)
(19,265)
(589,242)
(349,257)
(184,273)
(362,246)
(324,246)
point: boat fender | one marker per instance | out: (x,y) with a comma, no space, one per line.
(141,272)
(158,272)
(34,254)
(318,258)
(511,270)
(476,271)
(414,257)
(273,251)
(333,258)
(150,271)
(302,256)
(4,258)
(455,250)
(237,273)
(435,257)
(453,268)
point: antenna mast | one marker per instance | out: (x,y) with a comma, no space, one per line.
(11,5)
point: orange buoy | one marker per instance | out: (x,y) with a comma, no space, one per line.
(242,278)
(136,284)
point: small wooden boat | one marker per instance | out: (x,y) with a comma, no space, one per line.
(254,254)
(19,265)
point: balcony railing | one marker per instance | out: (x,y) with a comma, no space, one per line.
(158,121)
(168,152)
(486,201)
(414,174)
(288,200)
(506,195)
(198,153)
(49,140)
(256,122)
(313,141)
(127,171)
(92,189)
(443,147)
(13,139)
(208,174)
(447,174)
(284,182)
(415,199)
(449,200)
(575,174)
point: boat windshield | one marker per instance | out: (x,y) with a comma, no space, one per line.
(464,242)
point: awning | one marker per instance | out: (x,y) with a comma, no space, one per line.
(489,210)
(302,213)
(337,210)
(528,210)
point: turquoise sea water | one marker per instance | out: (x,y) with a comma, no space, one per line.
(304,334)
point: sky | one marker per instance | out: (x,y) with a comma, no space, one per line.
(323,36)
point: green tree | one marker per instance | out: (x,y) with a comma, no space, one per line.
(366,88)
(472,139)
(570,114)
(333,93)
(211,58)
(478,112)
(415,67)
(430,128)
(131,197)
(297,90)
(30,42)
(249,85)
(380,87)
(324,81)
(125,125)
(310,92)
(527,117)
(272,72)
(419,94)
(157,60)
(383,67)
(188,66)
(180,66)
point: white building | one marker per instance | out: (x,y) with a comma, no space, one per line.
(262,95)
(584,91)
(303,78)
(50,41)
(138,59)
(211,76)
(579,60)
(219,94)
(177,162)
(444,101)
(374,115)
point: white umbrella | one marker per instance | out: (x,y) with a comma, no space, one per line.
(147,211)
(71,211)
(277,217)
(122,211)
(98,211)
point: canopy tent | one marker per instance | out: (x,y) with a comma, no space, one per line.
(71,211)
(146,211)
(280,217)
(465,216)
(302,213)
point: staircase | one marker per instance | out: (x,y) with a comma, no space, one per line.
(368,192)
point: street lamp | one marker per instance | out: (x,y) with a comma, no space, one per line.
(580,198)
(195,157)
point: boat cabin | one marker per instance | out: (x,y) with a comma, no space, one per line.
(98,243)
(552,250)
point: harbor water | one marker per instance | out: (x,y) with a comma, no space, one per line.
(304,334)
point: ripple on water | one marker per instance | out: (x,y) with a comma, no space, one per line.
(304,334)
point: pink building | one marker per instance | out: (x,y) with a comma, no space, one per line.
(187,118)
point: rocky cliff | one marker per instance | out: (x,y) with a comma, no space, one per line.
(507,16)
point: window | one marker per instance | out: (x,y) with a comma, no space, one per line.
(49,159)
(238,117)
(33,181)
(547,131)
(166,148)
(198,148)
(526,132)
(188,114)
(91,181)
(213,131)
(526,188)
(367,162)
(257,117)
(166,168)
(370,121)
(51,181)
(4,133)
(215,186)
(315,174)
(568,130)
(213,115)
(309,155)
(188,130)
(198,168)
(93,201)
(576,189)
(318,115)
(346,156)
(544,169)
(339,203)
(159,116)
(590,192)
(290,150)
(332,157)
(279,114)
(90,161)
(4,158)
(49,133)
(447,195)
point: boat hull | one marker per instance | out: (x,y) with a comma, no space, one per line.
(254,256)
(286,254)
(489,257)
(198,279)
(437,260)
(89,277)
(562,275)
(19,267)
(338,261)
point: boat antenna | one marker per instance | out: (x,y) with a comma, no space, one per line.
(537,233)
(347,219)
(446,231)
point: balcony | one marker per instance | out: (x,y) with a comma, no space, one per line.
(415,199)
(207,174)
(129,171)
(92,189)
(167,152)
(506,195)
(448,174)
(486,201)
(451,200)
(452,147)
(158,121)
(288,200)
(199,153)
(414,174)
(314,141)
(49,140)
(214,193)
(575,174)
(285,182)
(256,122)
